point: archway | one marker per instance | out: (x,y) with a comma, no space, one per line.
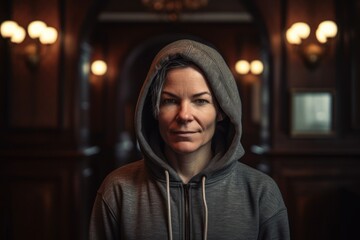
(127,87)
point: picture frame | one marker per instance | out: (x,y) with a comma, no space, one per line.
(312,112)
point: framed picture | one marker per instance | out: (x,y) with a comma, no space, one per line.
(312,112)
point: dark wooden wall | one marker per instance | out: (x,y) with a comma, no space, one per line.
(63,129)
(46,172)
(319,176)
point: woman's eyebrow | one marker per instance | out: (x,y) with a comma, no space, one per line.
(202,93)
(194,96)
(168,93)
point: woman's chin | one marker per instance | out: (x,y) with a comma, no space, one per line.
(183,148)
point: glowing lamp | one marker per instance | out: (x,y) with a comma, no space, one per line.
(98,68)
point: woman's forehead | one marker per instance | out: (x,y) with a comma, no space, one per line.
(186,78)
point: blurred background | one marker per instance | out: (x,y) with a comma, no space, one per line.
(70,73)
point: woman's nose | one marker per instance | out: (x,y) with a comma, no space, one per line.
(185,113)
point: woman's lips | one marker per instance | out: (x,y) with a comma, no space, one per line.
(183,133)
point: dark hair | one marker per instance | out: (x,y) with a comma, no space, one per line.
(158,83)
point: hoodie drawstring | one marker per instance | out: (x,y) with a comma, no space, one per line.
(168,205)
(206,218)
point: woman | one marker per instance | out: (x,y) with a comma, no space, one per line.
(190,184)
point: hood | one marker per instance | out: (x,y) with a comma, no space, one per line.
(226,143)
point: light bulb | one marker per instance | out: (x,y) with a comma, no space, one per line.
(8,28)
(35,28)
(48,36)
(320,36)
(328,28)
(301,29)
(242,67)
(256,67)
(292,37)
(98,67)
(19,35)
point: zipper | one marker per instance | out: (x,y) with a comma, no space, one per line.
(186,188)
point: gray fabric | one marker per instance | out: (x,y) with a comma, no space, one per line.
(243,203)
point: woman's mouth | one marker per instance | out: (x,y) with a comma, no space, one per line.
(183,133)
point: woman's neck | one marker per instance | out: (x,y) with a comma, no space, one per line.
(188,165)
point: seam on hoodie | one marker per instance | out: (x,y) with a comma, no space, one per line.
(189,49)
(281,210)
(108,208)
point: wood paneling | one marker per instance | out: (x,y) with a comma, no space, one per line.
(322,195)
(34,99)
(32,201)
(45,196)
(40,105)
(354,35)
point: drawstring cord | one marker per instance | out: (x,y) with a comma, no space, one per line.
(206,213)
(206,217)
(168,204)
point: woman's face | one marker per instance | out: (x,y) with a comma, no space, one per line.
(187,116)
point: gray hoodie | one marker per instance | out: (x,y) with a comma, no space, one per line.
(227,200)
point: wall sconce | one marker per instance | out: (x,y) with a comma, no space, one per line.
(98,67)
(255,67)
(37,30)
(311,53)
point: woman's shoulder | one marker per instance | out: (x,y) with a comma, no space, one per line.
(262,187)
(123,177)
(251,172)
(260,184)
(127,170)
(254,178)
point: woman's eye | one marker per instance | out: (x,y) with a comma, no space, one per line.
(201,101)
(168,101)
